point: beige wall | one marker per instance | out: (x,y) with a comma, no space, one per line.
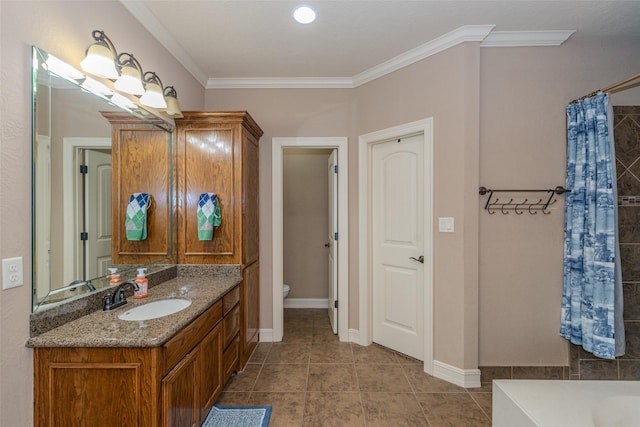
(523,143)
(64,29)
(284,113)
(445,87)
(498,121)
(305,222)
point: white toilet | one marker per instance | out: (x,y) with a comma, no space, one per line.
(285,290)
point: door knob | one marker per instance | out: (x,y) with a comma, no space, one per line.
(326,245)
(420,259)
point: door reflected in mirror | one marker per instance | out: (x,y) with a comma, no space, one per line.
(73,179)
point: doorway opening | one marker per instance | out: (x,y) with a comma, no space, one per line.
(86,206)
(305,226)
(279,147)
(396,245)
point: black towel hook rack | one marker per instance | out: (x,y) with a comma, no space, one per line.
(532,205)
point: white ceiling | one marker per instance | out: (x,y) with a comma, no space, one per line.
(242,42)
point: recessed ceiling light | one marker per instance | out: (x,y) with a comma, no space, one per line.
(304,14)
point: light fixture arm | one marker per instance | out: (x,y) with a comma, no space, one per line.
(152,78)
(170,91)
(125,59)
(101,37)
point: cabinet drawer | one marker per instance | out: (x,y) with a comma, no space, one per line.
(230,359)
(231,325)
(230,299)
(178,346)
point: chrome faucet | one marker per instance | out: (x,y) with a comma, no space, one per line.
(118,298)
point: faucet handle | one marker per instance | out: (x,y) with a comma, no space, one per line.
(107,303)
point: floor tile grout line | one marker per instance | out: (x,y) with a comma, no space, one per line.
(478,405)
(365,358)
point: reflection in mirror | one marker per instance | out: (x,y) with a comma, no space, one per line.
(72,209)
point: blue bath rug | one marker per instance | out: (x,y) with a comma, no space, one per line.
(239,416)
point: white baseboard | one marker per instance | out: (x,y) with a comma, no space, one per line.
(306,303)
(266,335)
(354,336)
(467,378)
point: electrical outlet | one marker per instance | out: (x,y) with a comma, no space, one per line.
(11,272)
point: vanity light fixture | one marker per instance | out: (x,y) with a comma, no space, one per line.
(101,56)
(304,14)
(130,80)
(173,106)
(153,96)
(102,60)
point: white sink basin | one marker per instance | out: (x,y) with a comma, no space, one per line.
(155,309)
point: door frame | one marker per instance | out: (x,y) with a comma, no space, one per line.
(277,153)
(365,146)
(70,147)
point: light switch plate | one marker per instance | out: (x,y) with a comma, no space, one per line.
(445,224)
(11,272)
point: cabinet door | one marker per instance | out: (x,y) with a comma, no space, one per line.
(207,164)
(141,156)
(210,370)
(94,387)
(179,394)
(231,325)
(230,359)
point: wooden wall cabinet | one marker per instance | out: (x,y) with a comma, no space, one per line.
(142,160)
(174,385)
(217,152)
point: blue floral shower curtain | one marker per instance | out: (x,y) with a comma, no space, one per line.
(592,291)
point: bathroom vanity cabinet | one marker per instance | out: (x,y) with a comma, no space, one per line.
(170,385)
(217,152)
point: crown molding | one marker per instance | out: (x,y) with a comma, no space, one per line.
(526,38)
(460,35)
(280,83)
(466,33)
(157,30)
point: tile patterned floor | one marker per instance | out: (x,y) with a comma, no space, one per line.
(312,379)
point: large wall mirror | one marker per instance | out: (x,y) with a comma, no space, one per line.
(73,175)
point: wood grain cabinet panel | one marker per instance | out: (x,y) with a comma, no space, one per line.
(218,151)
(179,394)
(250,288)
(231,325)
(209,370)
(94,386)
(230,358)
(142,160)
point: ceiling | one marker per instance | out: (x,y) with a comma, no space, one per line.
(243,43)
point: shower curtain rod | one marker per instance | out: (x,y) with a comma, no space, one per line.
(610,88)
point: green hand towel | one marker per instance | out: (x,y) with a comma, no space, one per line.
(208,215)
(136,218)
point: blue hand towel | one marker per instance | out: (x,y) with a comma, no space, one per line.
(208,215)
(136,218)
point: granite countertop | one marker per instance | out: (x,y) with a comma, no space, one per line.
(104,329)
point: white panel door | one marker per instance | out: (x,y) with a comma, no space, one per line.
(333,247)
(98,212)
(397,200)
